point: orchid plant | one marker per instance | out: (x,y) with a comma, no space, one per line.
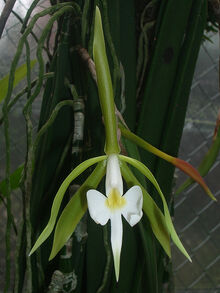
(114,204)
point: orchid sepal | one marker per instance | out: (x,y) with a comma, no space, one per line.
(74,210)
(59,197)
(152,211)
(146,172)
(181,164)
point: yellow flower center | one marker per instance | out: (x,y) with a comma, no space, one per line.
(115,200)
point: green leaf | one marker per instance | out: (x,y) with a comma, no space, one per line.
(59,197)
(154,214)
(144,170)
(74,210)
(20,74)
(15,178)
(164,61)
(175,116)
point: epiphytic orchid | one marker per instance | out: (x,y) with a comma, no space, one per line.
(114,204)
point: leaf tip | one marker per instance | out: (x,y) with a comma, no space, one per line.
(34,248)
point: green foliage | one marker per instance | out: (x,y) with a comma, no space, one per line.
(20,74)
(15,179)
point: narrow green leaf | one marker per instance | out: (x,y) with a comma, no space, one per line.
(59,197)
(149,250)
(154,214)
(144,170)
(164,61)
(14,180)
(74,210)
(178,101)
(20,74)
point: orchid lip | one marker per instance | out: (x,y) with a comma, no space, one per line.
(115,201)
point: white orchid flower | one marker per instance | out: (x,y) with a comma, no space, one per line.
(113,205)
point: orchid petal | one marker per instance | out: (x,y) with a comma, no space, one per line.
(116,240)
(97,207)
(132,211)
(113,175)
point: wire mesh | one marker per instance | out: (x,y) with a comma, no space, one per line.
(197,218)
